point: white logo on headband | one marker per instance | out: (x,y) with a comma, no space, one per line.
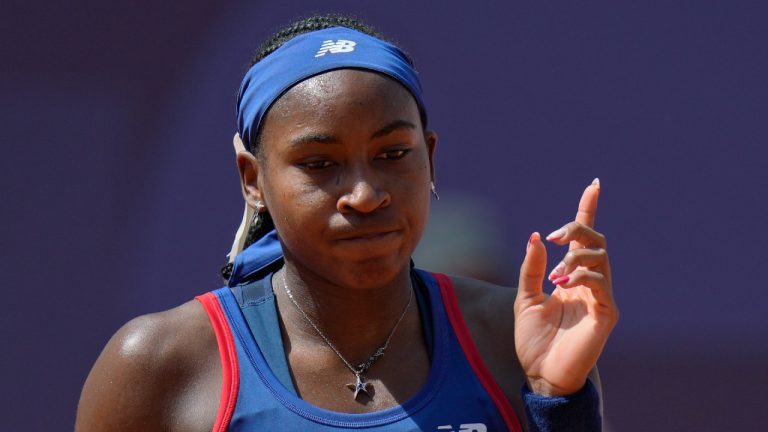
(340,46)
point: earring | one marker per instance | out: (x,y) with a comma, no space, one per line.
(434,190)
(257,212)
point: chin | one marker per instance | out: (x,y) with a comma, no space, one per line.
(373,272)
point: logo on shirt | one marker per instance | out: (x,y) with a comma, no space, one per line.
(466,427)
(340,46)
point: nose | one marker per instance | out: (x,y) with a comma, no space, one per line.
(364,195)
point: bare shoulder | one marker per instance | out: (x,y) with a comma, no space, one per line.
(158,372)
(488,310)
(486,306)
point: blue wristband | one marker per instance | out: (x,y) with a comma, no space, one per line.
(579,412)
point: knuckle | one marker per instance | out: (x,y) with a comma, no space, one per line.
(613,315)
(569,257)
(592,279)
(579,275)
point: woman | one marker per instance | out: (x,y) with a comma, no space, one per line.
(325,324)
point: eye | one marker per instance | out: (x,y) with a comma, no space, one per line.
(393,154)
(315,165)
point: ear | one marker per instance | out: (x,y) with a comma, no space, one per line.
(430,137)
(248,167)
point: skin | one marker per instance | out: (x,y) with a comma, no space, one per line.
(344,171)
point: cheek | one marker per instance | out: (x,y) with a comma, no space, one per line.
(415,178)
(413,194)
(421,212)
(293,202)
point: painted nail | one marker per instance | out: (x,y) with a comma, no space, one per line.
(596,182)
(557,271)
(561,280)
(554,235)
(535,236)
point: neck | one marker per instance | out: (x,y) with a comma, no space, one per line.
(355,320)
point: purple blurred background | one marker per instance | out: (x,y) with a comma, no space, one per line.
(120,196)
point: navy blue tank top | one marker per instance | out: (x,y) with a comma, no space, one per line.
(459,394)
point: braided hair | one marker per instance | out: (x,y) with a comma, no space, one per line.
(264,224)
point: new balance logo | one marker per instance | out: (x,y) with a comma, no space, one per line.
(468,427)
(340,46)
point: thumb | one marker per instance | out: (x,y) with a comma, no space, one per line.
(530,290)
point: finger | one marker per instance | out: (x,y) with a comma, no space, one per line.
(595,281)
(587,208)
(530,289)
(592,259)
(578,233)
(588,204)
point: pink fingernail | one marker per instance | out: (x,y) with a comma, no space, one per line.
(561,280)
(554,235)
(557,271)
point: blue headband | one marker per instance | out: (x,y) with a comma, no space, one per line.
(311,54)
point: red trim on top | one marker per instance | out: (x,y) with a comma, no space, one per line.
(470,351)
(230,373)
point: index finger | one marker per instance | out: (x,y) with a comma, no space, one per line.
(587,208)
(588,204)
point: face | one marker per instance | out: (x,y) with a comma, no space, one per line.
(345,174)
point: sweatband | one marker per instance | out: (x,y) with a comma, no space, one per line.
(579,412)
(310,54)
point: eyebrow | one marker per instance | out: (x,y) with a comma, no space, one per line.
(314,138)
(323,138)
(395,125)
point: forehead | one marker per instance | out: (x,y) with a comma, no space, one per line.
(337,95)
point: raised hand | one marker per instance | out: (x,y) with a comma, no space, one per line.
(560,337)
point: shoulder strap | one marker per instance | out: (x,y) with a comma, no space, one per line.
(257,302)
(230,374)
(472,355)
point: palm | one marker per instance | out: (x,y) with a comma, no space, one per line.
(559,340)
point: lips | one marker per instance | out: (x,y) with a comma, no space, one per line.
(368,234)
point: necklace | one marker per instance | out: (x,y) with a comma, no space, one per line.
(360,385)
